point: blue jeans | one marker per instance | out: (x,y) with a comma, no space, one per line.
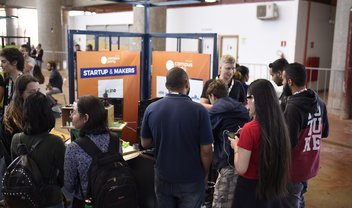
(189,195)
(295,198)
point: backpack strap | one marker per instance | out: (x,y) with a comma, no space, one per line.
(88,146)
(91,149)
(114,144)
(22,148)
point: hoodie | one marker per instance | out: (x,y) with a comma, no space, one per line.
(226,114)
(307,121)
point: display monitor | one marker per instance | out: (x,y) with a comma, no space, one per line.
(118,107)
(142,105)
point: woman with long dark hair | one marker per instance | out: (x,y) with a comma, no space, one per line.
(25,85)
(262,153)
(38,121)
(89,117)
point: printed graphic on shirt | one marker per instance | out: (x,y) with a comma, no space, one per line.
(315,126)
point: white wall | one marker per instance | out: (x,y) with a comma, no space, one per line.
(321,32)
(81,22)
(259,39)
(27,25)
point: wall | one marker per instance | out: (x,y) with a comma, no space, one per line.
(27,25)
(321,32)
(81,22)
(259,39)
(337,89)
(320,38)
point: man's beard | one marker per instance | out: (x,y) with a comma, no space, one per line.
(286,90)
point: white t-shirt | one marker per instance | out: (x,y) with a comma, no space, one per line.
(31,61)
(278,89)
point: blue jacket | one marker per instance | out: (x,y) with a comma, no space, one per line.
(226,114)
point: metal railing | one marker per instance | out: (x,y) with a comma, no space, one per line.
(327,82)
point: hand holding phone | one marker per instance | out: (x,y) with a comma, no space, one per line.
(231,134)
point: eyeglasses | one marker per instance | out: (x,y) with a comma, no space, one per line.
(249,97)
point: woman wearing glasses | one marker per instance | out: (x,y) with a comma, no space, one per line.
(262,153)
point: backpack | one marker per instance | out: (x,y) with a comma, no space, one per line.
(110,180)
(23,185)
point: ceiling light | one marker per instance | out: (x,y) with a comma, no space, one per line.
(210,1)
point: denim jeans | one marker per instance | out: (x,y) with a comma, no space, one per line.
(295,198)
(175,195)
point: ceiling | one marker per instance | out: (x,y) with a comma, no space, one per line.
(120,7)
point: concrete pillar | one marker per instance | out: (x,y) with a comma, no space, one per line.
(337,94)
(11,25)
(157,23)
(50,29)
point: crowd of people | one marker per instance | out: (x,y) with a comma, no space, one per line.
(25,114)
(266,138)
(260,143)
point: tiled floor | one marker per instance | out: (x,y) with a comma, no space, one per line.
(332,187)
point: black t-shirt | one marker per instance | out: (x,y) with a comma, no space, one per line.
(236,91)
(56,79)
(9,84)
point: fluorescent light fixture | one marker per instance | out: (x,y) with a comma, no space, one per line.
(210,1)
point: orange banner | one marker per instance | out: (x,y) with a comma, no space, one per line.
(118,74)
(196,65)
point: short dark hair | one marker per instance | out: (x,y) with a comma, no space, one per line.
(37,114)
(218,88)
(175,78)
(278,65)
(243,70)
(13,54)
(297,73)
(90,46)
(27,47)
(97,122)
(52,64)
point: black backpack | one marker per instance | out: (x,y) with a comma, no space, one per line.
(110,180)
(23,185)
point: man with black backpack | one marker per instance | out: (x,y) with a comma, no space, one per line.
(94,168)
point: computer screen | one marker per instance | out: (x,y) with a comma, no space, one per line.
(118,107)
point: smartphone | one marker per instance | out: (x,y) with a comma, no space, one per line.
(231,134)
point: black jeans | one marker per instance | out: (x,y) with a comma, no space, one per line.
(77,203)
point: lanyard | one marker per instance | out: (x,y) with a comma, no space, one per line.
(230,88)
